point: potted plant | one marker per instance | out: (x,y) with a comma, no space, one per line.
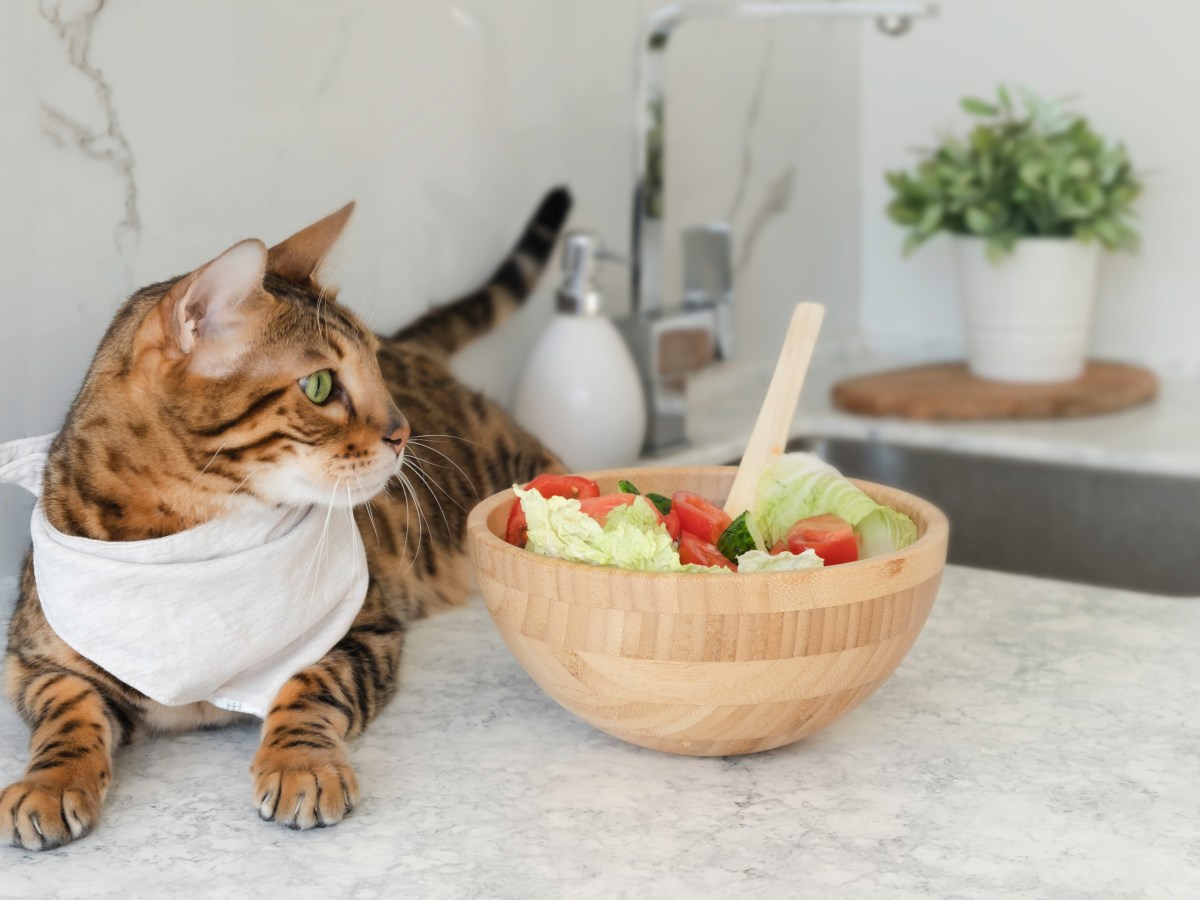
(1030,197)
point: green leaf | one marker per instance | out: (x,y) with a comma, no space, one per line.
(1031,172)
(1079,167)
(1005,99)
(977,107)
(1024,169)
(798,485)
(982,138)
(912,242)
(631,538)
(661,502)
(978,221)
(1108,232)
(902,214)
(930,219)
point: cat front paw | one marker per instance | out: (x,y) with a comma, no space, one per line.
(42,815)
(303,788)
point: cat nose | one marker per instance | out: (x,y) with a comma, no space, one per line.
(397,435)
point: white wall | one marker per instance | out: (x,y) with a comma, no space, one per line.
(1135,68)
(141,139)
(446,120)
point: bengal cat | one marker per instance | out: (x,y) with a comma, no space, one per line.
(200,397)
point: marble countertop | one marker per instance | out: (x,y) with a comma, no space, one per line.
(1162,437)
(1040,740)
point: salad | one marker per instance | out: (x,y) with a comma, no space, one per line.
(805,516)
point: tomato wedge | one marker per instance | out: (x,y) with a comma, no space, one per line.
(699,517)
(516,532)
(674,529)
(599,508)
(697,551)
(575,487)
(830,537)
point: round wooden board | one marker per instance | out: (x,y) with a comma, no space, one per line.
(948,391)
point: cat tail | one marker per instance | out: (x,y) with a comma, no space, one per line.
(457,323)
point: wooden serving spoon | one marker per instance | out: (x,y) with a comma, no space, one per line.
(770,433)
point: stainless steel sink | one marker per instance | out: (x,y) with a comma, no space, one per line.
(1077,523)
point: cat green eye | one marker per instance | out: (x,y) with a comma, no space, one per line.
(318,386)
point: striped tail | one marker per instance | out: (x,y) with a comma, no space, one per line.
(455,324)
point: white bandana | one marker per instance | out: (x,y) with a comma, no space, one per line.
(225,612)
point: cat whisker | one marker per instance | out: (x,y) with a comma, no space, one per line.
(421,459)
(320,311)
(424,446)
(367,305)
(321,547)
(429,462)
(453,437)
(313,567)
(232,493)
(433,484)
(206,465)
(423,523)
(370,515)
(425,479)
(410,492)
(430,480)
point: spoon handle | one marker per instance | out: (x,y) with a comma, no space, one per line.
(770,432)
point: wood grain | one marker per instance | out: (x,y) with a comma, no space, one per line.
(774,420)
(947,391)
(708,665)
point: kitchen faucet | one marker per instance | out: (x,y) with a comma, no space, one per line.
(670,343)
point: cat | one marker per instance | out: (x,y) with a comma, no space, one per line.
(247,384)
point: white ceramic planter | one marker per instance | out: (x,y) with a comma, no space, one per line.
(1029,316)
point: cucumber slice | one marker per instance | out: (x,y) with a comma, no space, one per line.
(740,537)
(626,487)
(661,503)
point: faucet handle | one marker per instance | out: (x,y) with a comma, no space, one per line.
(708,278)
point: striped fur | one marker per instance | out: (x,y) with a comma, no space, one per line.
(150,448)
(449,327)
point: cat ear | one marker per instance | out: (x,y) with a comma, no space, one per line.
(298,258)
(206,313)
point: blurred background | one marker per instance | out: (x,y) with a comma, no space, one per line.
(142,138)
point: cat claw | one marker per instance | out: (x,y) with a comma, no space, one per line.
(303,790)
(42,816)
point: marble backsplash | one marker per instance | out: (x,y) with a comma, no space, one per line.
(143,138)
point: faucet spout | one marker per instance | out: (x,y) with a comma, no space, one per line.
(670,344)
(650,113)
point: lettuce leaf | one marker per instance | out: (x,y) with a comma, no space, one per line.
(758,561)
(631,538)
(799,485)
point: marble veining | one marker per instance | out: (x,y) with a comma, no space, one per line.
(1038,742)
(746,163)
(109,145)
(775,202)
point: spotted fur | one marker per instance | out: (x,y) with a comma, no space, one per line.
(192,406)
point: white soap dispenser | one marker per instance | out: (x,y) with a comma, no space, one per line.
(581,392)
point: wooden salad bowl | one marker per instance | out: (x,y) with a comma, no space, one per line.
(708,665)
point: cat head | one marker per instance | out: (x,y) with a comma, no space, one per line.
(268,385)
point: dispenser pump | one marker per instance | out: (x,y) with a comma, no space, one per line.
(581,392)
(578,295)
